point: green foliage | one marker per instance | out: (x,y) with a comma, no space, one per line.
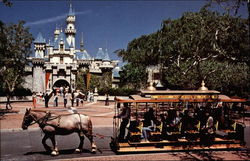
(202,45)
(206,46)
(94,82)
(15,47)
(18,92)
(117,91)
(133,76)
(105,80)
(81,81)
(7,3)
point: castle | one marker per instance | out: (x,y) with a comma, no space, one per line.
(56,63)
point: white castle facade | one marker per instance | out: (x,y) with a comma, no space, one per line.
(56,62)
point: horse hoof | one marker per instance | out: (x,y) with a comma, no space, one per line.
(77,150)
(93,151)
(54,153)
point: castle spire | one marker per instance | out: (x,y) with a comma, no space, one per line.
(81,44)
(71,12)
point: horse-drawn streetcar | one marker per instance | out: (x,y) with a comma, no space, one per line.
(177,120)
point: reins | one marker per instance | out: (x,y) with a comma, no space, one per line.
(46,118)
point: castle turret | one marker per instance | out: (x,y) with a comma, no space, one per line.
(70,31)
(56,33)
(81,44)
(40,46)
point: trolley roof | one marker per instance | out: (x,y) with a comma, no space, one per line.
(195,96)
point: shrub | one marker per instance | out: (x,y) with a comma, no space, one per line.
(117,91)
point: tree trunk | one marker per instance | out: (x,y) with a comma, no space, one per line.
(8,105)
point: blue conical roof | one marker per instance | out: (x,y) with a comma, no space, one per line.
(39,38)
(116,71)
(71,12)
(106,55)
(100,54)
(61,37)
(71,45)
(83,55)
(86,55)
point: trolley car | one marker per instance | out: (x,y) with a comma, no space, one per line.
(228,132)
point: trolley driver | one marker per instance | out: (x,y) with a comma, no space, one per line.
(125,116)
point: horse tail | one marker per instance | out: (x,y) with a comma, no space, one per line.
(90,127)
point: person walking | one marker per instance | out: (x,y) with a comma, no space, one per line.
(72,98)
(65,96)
(77,98)
(61,91)
(46,98)
(34,99)
(56,100)
(107,100)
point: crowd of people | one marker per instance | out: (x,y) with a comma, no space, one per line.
(69,97)
(172,121)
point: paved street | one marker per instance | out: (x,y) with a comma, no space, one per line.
(27,145)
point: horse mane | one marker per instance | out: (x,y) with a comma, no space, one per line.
(44,111)
(35,110)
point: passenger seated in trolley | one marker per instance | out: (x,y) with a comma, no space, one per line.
(148,123)
(207,131)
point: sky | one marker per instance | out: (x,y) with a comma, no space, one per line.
(110,24)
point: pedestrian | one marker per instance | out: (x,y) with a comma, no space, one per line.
(107,100)
(76,94)
(61,91)
(88,96)
(125,116)
(56,100)
(34,99)
(65,95)
(54,91)
(46,98)
(72,98)
(43,95)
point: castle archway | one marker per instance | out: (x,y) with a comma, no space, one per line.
(61,83)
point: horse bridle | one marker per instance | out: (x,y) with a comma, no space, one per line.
(40,120)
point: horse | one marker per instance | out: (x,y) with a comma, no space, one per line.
(52,124)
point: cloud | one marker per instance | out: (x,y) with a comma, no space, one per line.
(53,19)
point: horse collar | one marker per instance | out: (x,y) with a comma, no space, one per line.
(59,118)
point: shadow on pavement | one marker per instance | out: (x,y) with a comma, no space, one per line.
(61,152)
(5,111)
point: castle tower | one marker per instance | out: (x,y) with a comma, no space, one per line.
(70,31)
(38,75)
(40,45)
(56,33)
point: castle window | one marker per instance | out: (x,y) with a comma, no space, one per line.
(61,47)
(61,60)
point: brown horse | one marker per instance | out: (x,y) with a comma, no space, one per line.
(52,124)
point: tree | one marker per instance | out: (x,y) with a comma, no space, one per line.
(198,46)
(81,81)
(15,47)
(133,77)
(7,3)
(105,81)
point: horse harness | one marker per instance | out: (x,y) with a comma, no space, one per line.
(43,120)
